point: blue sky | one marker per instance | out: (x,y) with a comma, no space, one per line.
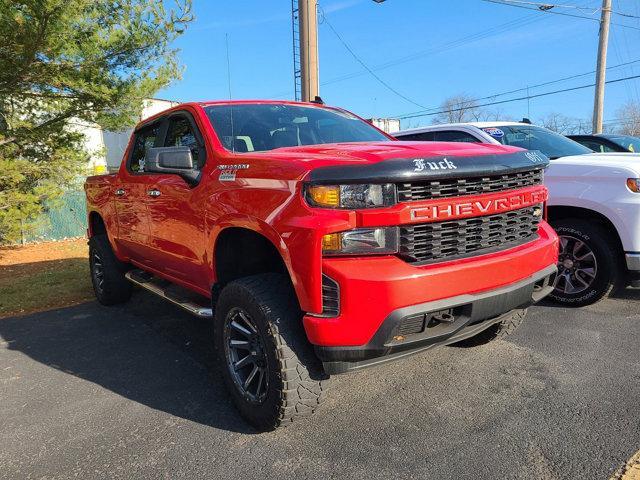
(437,49)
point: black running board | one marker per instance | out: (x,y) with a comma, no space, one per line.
(161,288)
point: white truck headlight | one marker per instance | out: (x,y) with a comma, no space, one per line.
(633,184)
(351,196)
(362,241)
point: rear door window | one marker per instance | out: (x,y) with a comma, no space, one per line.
(454,136)
(593,145)
(630,143)
(417,137)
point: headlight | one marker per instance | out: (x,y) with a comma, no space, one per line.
(362,241)
(351,196)
(634,184)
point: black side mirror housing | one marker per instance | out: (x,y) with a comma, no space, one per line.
(172,160)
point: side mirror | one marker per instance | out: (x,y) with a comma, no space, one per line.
(171,160)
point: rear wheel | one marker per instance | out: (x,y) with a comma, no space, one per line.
(588,264)
(107,273)
(267,362)
(509,323)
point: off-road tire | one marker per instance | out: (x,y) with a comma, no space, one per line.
(509,323)
(297,382)
(609,274)
(114,287)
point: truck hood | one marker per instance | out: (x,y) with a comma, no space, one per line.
(614,163)
(407,161)
(370,152)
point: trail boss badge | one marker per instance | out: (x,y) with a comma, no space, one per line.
(535,157)
(228,172)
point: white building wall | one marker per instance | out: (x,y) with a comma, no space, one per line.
(93,144)
(388,125)
(107,148)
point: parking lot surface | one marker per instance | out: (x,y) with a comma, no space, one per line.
(133,392)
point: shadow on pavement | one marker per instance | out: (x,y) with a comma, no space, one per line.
(628,294)
(146,350)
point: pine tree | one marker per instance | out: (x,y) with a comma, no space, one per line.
(64,61)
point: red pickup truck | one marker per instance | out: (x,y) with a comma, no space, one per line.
(318,243)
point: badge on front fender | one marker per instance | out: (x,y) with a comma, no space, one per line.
(228,172)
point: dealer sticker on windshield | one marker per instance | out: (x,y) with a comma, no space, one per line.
(494,132)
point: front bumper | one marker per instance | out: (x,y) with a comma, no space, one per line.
(633,261)
(633,269)
(370,289)
(468,315)
(378,295)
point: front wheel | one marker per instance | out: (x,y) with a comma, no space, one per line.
(588,264)
(267,362)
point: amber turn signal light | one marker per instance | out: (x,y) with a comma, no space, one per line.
(325,195)
(332,242)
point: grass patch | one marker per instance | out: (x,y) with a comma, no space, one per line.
(42,277)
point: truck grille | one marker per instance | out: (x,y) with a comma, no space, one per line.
(456,187)
(449,240)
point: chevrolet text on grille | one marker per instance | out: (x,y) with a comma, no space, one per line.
(443,210)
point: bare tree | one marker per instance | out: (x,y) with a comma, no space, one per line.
(584,126)
(558,123)
(494,115)
(459,108)
(564,125)
(628,119)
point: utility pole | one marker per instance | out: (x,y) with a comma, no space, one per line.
(308,14)
(601,69)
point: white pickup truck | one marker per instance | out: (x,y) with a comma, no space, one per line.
(594,204)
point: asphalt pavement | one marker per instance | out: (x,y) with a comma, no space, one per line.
(133,392)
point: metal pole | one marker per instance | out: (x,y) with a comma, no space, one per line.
(601,69)
(308,10)
(295,30)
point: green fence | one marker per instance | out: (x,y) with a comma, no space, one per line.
(66,219)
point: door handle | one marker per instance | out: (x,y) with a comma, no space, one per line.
(120,192)
(153,193)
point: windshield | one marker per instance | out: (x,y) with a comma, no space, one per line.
(630,143)
(537,138)
(260,127)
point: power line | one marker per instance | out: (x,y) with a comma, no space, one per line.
(617,49)
(627,15)
(528,97)
(544,84)
(501,28)
(548,6)
(498,29)
(481,35)
(516,5)
(587,123)
(366,67)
